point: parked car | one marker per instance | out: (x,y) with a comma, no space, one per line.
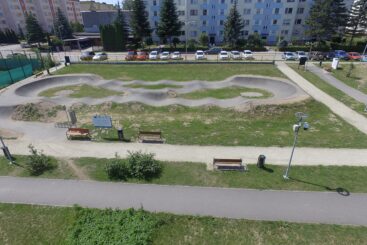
(87,55)
(301,54)
(364,58)
(100,56)
(235,55)
(154,55)
(200,55)
(176,55)
(141,56)
(25,45)
(165,55)
(223,55)
(131,55)
(288,56)
(341,54)
(213,50)
(330,55)
(247,54)
(354,56)
(317,55)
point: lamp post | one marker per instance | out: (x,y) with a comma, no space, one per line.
(364,51)
(187,22)
(296,127)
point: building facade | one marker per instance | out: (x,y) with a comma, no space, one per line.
(271,19)
(12,12)
(96,6)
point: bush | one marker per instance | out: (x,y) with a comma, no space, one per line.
(143,165)
(117,169)
(37,163)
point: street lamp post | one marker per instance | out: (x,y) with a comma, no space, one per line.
(187,22)
(296,127)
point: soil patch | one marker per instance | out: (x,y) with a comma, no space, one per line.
(40,112)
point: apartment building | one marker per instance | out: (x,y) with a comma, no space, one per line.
(12,12)
(271,19)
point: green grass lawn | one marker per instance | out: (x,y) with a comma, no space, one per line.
(357,79)
(224,93)
(186,72)
(80,91)
(259,126)
(30,224)
(154,86)
(310,178)
(331,90)
(62,171)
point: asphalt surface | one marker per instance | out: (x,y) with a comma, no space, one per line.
(330,79)
(294,206)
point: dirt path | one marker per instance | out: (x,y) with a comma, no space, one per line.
(76,170)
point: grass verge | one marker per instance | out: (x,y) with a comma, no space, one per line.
(265,125)
(155,86)
(80,91)
(357,78)
(310,178)
(331,90)
(186,72)
(30,224)
(225,93)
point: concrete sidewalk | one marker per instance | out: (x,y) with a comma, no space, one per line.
(349,115)
(293,206)
(330,79)
(201,154)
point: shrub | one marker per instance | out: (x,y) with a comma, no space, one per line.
(37,163)
(143,165)
(117,169)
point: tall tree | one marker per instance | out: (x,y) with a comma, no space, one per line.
(326,18)
(76,27)
(139,21)
(62,26)
(35,33)
(127,4)
(233,26)
(357,21)
(169,24)
(121,23)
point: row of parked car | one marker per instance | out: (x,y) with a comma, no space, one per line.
(317,55)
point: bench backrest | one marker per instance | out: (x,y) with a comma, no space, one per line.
(158,133)
(229,161)
(79,130)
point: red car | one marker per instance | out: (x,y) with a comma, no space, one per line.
(131,55)
(354,56)
(142,56)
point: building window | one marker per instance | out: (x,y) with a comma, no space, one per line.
(288,10)
(205,11)
(298,21)
(193,12)
(300,10)
(286,22)
(275,22)
(276,11)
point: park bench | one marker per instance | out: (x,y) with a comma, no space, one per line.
(78,133)
(150,137)
(229,164)
(38,74)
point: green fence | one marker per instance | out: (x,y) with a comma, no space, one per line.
(14,75)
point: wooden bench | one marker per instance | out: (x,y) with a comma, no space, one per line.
(38,74)
(229,164)
(150,137)
(78,133)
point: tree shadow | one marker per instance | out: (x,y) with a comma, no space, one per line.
(112,139)
(340,190)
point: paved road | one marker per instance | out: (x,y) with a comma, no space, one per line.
(330,79)
(349,115)
(294,206)
(199,154)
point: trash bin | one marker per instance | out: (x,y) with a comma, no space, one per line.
(120,133)
(261,161)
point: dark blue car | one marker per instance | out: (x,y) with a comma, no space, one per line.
(341,54)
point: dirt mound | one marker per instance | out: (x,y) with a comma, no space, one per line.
(40,112)
(10,134)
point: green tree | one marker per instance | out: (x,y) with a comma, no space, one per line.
(357,21)
(204,39)
(169,24)
(62,26)
(327,18)
(35,33)
(233,26)
(76,27)
(127,4)
(139,22)
(123,35)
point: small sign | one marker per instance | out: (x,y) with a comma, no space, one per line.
(335,63)
(102,121)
